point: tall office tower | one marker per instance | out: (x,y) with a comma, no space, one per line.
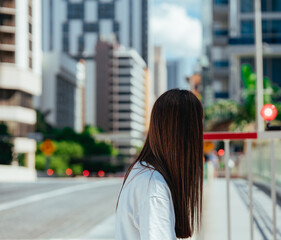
(233,43)
(206,16)
(74,27)
(121,95)
(173,74)
(160,72)
(20,70)
(62,97)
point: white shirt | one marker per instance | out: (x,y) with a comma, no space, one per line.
(145,210)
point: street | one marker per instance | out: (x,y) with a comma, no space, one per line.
(57,208)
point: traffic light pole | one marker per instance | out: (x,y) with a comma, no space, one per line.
(259,65)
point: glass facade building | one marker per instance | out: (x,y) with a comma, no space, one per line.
(233,43)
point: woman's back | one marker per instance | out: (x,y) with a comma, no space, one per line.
(149,206)
(145,209)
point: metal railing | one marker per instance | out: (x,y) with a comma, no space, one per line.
(249,138)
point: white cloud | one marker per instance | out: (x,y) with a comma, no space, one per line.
(178,33)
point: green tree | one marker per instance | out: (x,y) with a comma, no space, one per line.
(41,123)
(60,160)
(249,79)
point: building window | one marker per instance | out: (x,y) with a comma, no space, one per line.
(7,57)
(223,95)
(30,28)
(65,27)
(30,62)
(81,44)
(7,3)
(30,8)
(220,32)
(271,5)
(30,45)
(75,11)
(271,28)
(15,98)
(65,42)
(7,20)
(221,64)
(221,2)
(106,11)
(7,38)
(247,28)
(90,27)
(116,27)
(246,6)
(65,111)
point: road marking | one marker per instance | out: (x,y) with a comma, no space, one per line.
(55,193)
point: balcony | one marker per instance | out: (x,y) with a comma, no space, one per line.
(7,47)
(7,29)
(6,56)
(7,39)
(10,11)
(9,22)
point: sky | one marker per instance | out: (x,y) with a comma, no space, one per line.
(176,26)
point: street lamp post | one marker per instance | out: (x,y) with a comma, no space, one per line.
(259,65)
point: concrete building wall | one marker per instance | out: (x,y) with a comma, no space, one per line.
(20,70)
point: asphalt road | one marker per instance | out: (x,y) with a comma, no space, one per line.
(56,209)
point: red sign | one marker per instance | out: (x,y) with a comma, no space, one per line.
(268,112)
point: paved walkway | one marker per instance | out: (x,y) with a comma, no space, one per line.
(215,218)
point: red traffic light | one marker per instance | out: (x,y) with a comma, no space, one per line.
(68,171)
(268,112)
(86,173)
(50,172)
(221,152)
(101,173)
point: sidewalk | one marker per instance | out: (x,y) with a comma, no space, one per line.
(215,217)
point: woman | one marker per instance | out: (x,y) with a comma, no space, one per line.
(161,196)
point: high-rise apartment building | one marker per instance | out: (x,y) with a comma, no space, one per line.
(120,95)
(63,89)
(20,70)
(173,74)
(160,72)
(74,27)
(233,43)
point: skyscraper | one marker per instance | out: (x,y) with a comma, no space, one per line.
(121,95)
(62,97)
(74,27)
(160,72)
(233,43)
(173,74)
(20,70)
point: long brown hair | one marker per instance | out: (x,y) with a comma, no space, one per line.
(174,147)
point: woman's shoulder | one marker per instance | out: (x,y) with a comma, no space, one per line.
(148,177)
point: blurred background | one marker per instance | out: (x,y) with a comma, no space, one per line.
(78,79)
